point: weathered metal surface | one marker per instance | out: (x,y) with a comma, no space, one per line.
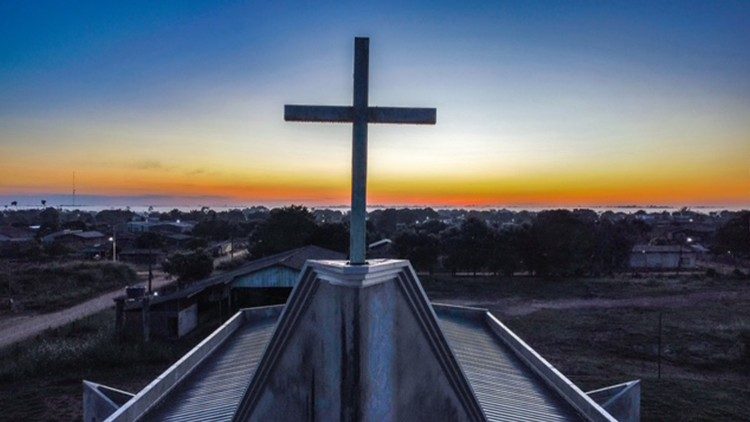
(278,276)
(622,401)
(357,229)
(358,343)
(213,390)
(507,389)
(360,114)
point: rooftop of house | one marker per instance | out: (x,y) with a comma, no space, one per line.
(294,259)
(661,249)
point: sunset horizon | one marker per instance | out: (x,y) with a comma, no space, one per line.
(594,105)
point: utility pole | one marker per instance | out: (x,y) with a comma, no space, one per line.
(150,272)
(659,347)
(113,239)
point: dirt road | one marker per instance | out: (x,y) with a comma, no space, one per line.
(17,328)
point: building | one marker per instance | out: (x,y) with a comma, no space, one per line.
(363,343)
(76,239)
(16,241)
(174,313)
(12,234)
(164,227)
(381,249)
(662,257)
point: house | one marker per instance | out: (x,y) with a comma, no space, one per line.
(381,249)
(75,239)
(15,241)
(159,226)
(363,343)
(12,234)
(164,227)
(177,240)
(174,312)
(662,257)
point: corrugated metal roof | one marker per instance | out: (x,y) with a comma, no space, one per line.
(507,389)
(213,390)
(294,259)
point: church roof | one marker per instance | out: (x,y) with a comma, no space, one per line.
(509,379)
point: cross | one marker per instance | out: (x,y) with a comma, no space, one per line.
(359,114)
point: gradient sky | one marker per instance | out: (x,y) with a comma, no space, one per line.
(551,103)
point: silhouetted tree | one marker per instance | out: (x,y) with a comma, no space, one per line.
(334,236)
(189,266)
(286,228)
(560,244)
(113,217)
(734,236)
(149,240)
(506,252)
(420,248)
(214,229)
(469,247)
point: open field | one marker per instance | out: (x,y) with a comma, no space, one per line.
(40,378)
(51,287)
(597,331)
(602,332)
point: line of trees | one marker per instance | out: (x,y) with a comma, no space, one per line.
(553,243)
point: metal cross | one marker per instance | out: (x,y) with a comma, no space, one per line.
(360,114)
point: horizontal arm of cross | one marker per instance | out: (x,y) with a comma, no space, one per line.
(402,115)
(342,114)
(307,113)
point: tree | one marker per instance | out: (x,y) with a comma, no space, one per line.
(49,220)
(286,228)
(149,240)
(420,248)
(559,244)
(191,266)
(469,247)
(214,229)
(506,256)
(334,236)
(44,202)
(113,217)
(734,236)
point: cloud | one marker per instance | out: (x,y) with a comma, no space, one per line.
(148,165)
(195,172)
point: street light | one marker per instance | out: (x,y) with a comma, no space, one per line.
(113,239)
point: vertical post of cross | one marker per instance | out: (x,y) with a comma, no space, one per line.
(357,224)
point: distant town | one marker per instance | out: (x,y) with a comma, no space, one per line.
(167,278)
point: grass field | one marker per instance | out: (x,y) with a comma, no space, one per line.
(50,287)
(40,379)
(705,344)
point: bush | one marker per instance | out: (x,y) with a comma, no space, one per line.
(189,266)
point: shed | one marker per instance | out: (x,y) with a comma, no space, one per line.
(662,257)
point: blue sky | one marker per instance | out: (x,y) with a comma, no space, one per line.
(534,100)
